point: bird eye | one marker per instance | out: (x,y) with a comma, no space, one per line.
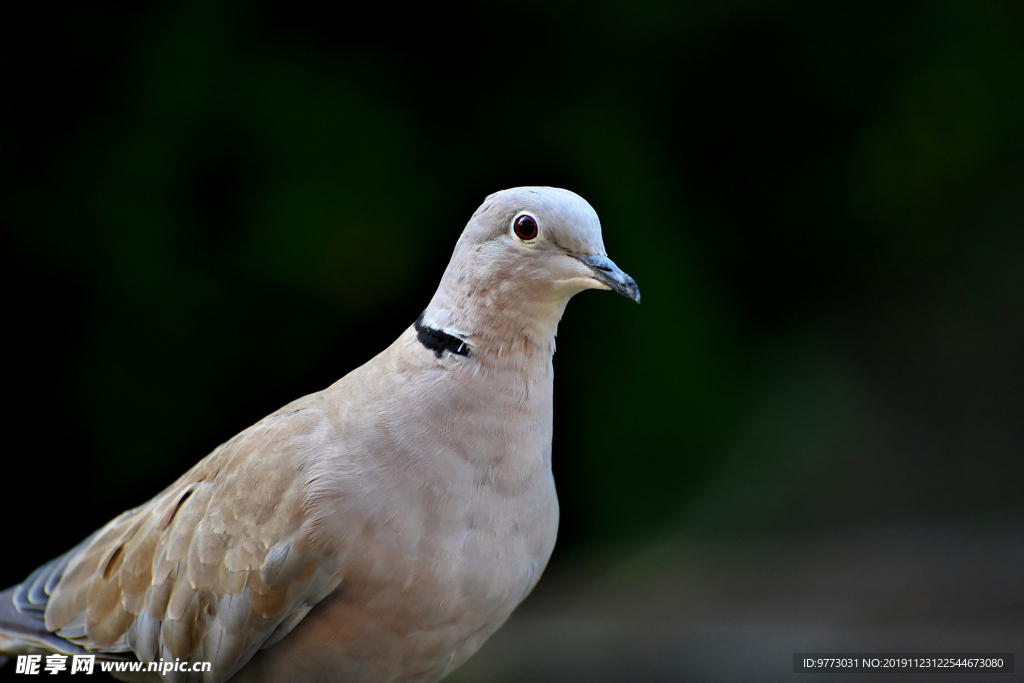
(525,227)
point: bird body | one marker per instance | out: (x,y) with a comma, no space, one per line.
(379,530)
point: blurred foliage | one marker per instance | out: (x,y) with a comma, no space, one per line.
(210,208)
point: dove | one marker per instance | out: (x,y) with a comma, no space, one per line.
(378,530)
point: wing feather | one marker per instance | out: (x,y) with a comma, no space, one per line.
(209,570)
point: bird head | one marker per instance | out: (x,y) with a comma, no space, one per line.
(539,239)
(522,255)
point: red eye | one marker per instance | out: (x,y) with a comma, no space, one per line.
(525,227)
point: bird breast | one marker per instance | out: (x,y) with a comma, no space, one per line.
(438,492)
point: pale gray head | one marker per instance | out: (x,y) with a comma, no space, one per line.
(546,237)
(523,254)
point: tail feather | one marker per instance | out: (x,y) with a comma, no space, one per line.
(32,594)
(25,632)
(23,614)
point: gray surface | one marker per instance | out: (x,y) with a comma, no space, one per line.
(738,611)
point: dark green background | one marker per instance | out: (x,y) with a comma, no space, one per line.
(211,208)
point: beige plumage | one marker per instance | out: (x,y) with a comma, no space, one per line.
(378,530)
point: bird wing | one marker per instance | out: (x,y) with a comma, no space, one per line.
(218,565)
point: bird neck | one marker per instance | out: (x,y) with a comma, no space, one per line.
(499,327)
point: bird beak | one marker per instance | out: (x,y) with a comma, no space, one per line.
(609,274)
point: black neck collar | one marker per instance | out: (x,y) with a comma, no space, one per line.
(439,341)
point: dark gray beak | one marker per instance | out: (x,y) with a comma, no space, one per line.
(606,272)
